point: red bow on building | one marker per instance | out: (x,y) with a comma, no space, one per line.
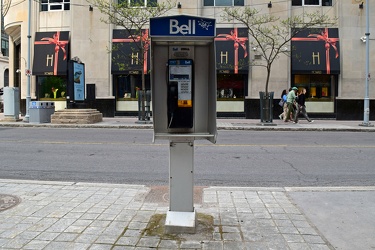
(329,41)
(134,39)
(238,41)
(58,45)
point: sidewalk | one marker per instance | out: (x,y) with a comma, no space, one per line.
(222,124)
(67,215)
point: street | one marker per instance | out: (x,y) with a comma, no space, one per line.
(240,158)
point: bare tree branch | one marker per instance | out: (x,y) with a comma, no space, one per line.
(271,34)
(133,18)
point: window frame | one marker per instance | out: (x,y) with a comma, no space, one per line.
(45,5)
(304,4)
(321,3)
(233,3)
(133,3)
(5,47)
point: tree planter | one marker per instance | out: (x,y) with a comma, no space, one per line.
(266,108)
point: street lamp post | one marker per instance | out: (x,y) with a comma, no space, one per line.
(28,71)
(366,116)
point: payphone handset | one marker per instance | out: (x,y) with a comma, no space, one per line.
(180,93)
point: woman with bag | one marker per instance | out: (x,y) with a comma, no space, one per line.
(282,104)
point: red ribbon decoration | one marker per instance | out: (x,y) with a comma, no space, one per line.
(329,41)
(238,41)
(133,39)
(58,45)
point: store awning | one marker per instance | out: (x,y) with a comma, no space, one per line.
(51,53)
(232,50)
(126,52)
(316,51)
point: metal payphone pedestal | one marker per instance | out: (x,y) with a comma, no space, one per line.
(181,217)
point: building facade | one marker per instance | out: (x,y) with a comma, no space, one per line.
(331,64)
(4,56)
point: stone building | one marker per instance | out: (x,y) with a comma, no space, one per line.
(333,72)
(4,56)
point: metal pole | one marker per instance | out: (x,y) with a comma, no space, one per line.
(28,71)
(366,116)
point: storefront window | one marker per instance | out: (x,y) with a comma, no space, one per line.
(52,87)
(126,86)
(318,87)
(230,86)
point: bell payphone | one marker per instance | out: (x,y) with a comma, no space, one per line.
(180,93)
(183,104)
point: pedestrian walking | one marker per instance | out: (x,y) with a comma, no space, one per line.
(290,101)
(283,102)
(302,107)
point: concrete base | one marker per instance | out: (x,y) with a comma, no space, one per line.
(143,122)
(10,118)
(366,124)
(180,222)
(76,116)
(266,124)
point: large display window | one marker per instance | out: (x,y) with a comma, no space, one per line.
(318,87)
(127,86)
(231,87)
(51,88)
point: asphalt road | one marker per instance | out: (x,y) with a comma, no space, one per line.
(240,158)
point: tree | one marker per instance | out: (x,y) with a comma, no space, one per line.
(134,17)
(271,34)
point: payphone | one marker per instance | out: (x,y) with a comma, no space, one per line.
(180,93)
(183,104)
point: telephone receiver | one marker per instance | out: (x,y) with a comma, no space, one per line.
(172,97)
(180,93)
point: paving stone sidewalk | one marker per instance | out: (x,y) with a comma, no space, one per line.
(66,215)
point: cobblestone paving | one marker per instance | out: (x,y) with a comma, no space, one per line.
(63,215)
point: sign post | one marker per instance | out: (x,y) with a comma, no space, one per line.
(366,108)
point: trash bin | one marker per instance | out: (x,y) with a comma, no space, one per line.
(266,107)
(142,105)
(40,112)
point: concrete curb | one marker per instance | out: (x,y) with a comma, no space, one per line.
(331,127)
